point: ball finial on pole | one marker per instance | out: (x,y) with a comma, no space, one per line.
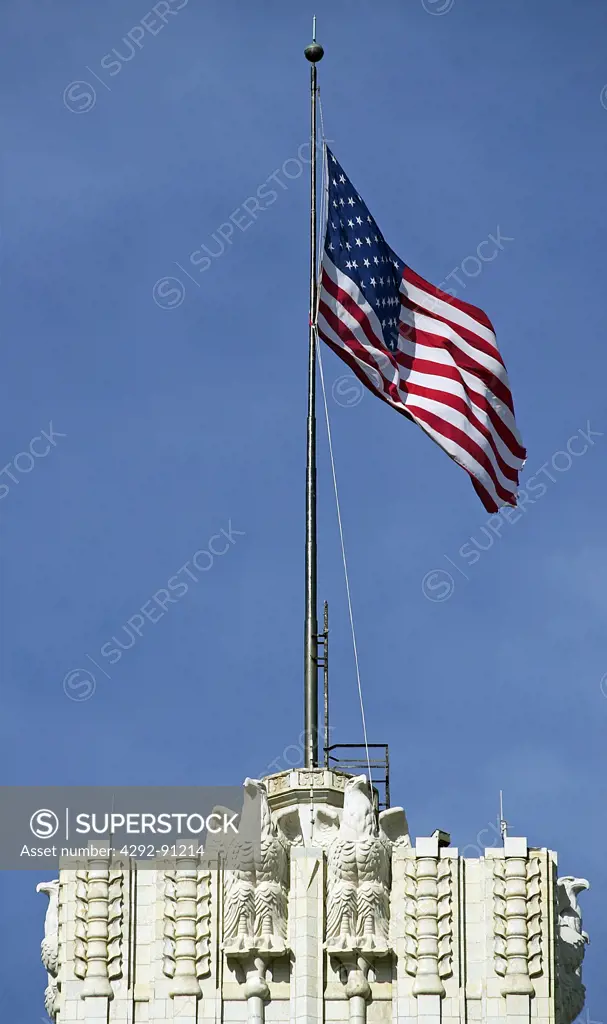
(314,52)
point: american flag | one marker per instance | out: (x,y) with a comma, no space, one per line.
(426,353)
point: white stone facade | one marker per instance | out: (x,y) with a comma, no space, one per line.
(337,920)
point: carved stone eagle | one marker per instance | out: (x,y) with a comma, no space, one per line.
(359,872)
(257,879)
(570,949)
(50,944)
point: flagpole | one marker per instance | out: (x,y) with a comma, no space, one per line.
(313,53)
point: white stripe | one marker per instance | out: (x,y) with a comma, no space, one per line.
(454,387)
(460,455)
(463,458)
(456,419)
(351,289)
(376,378)
(381,370)
(442,308)
(441,330)
(442,357)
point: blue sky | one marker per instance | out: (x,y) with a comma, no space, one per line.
(180,419)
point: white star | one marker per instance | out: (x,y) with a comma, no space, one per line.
(342,178)
(375,259)
(368,240)
(350,223)
(358,242)
(350,201)
(334,182)
(366,263)
(333,159)
(381,280)
(355,264)
(373,281)
(359,220)
(348,265)
(370,220)
(341,202)
(348,246)
(335,202)
(331,246)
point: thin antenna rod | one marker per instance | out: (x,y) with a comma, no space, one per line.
(503,822)
(314,52)
(325,664)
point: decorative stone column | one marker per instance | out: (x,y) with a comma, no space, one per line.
(99,912)
(187,914)
(428,918)
(511,919)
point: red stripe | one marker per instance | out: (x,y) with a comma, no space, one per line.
(355,345)
(465,307)
(402,395)
(427,367)
(463,441)
(484,495)
(467,362)
(351,306)
(348,358)
(453,432)
(446,398)
(397,358)
(443,428)
(457,403)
